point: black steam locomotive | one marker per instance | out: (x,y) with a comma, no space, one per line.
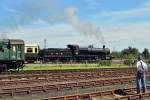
(73,53)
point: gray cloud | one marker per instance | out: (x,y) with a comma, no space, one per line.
(27,12)
(138,11)
(3,35)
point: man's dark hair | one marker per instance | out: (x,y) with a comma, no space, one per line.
(139,57)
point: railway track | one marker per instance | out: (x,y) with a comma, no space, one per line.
(18,81)
(54,81)
(14,81)
(48,82)
(119,94)
(69,85)
(67,76)
(70,75)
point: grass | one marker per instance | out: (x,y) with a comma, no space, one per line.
(68,66)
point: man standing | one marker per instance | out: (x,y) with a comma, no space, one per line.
(140,78)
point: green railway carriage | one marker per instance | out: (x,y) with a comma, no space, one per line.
(11,54)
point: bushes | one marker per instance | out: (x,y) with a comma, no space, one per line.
(147,61)
(129,62)
(104,63)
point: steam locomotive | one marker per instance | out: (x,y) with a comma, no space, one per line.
(73,53)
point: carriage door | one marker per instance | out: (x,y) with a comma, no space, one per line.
(18,52)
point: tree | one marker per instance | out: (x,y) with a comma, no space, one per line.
(145,53)
(130,53)
(116,55)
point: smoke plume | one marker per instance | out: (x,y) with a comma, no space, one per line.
(84,27)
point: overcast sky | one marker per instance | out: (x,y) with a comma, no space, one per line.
(115,23)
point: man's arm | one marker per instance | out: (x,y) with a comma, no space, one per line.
(146,67)
(137,66)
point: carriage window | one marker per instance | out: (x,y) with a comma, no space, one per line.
(14,48)
(19,48)
(29,50)
(35,50)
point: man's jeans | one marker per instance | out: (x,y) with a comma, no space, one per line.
(140,82)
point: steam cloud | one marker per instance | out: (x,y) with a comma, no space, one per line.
(84,27)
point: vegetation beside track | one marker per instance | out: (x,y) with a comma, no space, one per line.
(70,66)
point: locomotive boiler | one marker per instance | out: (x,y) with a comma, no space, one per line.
(89,53)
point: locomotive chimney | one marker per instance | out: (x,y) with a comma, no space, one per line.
(103,46)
